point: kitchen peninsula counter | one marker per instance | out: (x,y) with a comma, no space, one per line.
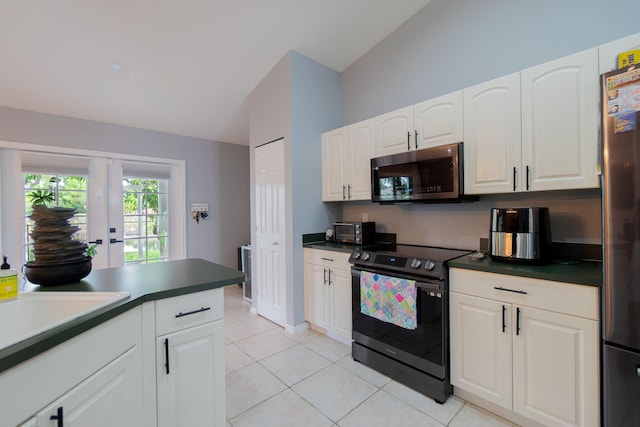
(148,282)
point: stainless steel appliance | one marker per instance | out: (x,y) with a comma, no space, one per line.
(621,247)
(520,235)
(427,175)
(357,233)
(418,357)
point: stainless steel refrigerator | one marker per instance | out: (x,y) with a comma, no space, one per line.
(621,251)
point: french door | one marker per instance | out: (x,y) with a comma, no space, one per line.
(128,217)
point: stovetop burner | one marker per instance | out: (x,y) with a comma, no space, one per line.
(424,261)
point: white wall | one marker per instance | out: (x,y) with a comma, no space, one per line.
(217,173)
(449,45)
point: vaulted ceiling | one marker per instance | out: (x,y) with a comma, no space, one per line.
(179,66)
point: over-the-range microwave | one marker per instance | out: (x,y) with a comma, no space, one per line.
(429,175)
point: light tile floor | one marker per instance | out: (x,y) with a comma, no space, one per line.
(279,379)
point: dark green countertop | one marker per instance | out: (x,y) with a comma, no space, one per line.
(584,273)
(144,283)
(330,246)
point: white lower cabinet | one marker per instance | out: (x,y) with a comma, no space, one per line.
(190,360)
(94,379)
(327,292)
(529,346)
(110,397)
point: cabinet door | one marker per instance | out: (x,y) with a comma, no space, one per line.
(481,358)
(334,174)
(110,397)
(360,137)
(438,121)
(395,132)
(190,377)
(555,369)
(340,311)
(492,130)
(560,123)
(316,295)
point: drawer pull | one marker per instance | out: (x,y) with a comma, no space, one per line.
(500,288)
(188,313)
(326,259)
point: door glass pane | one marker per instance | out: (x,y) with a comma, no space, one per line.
(68,191)
(145,220)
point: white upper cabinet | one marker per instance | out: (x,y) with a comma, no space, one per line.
(534,130)
(608,53)
(560,123)
(492,130)
(438,121)
(346,168)
(431,123)
(333,165)
(394,132)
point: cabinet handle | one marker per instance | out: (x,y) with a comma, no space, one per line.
(59,416)
(166,355)
(188,313)
(514,178)
(329,276)
(527,176)
(408,140)
(324,276)
(416,138)
(349,191)
(343,192)
(518,321)
(504,318)
(500,288)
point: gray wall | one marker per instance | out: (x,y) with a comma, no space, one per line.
(449,45)
(217,173)
(298,100)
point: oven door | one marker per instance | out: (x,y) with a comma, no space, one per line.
(424,348)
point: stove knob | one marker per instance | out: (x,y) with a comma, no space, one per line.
(415,263)
(429,265)
(356,255)
(366,256)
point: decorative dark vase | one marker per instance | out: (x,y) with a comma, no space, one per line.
(59,259)
(58,274)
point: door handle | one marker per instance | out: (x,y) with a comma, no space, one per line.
(408,140)
(96,242)
(514,178)
(59,416)
(504,318)
(518,321)
(349,191)
(115,241)
(324,276)
(527,177)
(166,355)
(329,276)
(416,138)
(344,188)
